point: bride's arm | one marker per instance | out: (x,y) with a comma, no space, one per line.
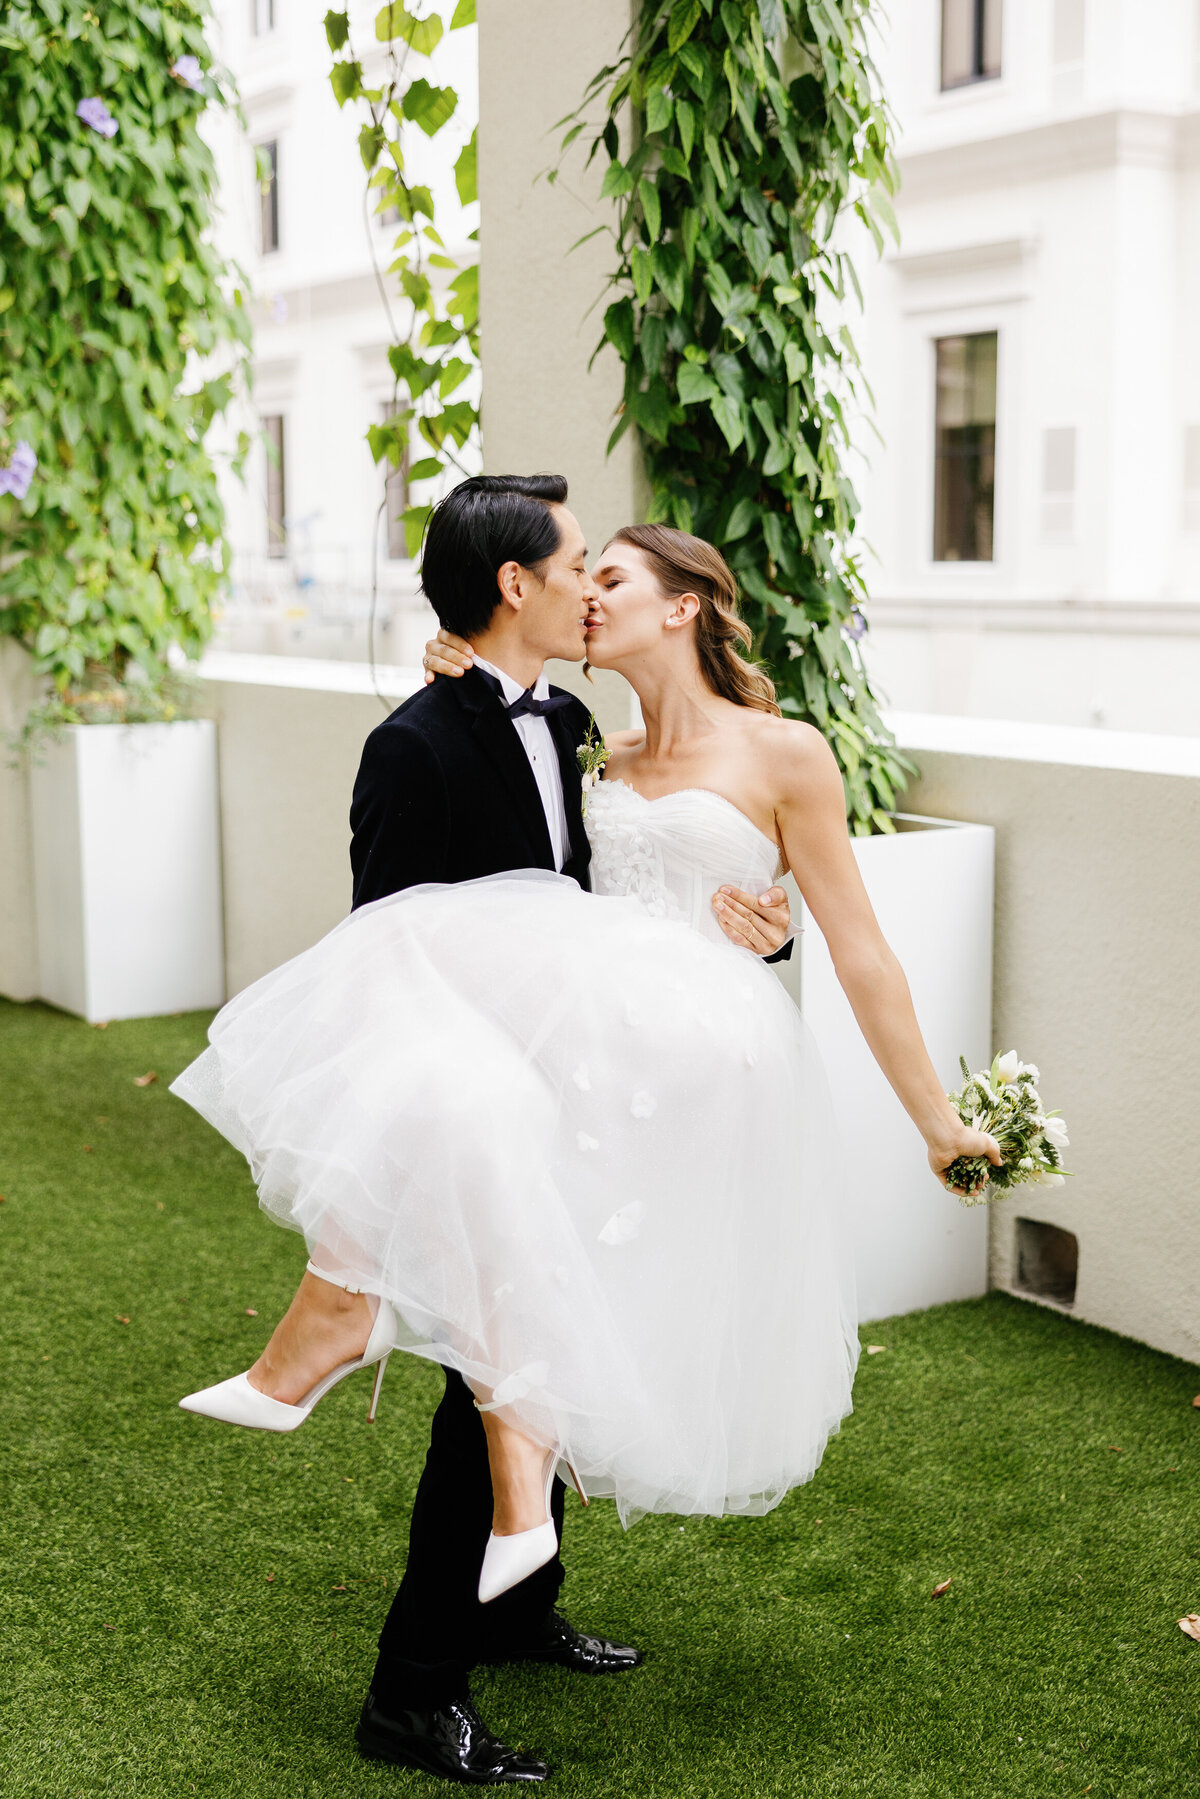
(810,813)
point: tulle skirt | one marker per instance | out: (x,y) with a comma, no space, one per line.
(589,1157)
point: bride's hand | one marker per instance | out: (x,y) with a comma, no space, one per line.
(447,655)
(960,1140)
(760,923)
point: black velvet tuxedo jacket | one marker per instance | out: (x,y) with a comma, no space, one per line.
(445,792)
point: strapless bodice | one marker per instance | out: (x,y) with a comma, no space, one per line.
(673,852)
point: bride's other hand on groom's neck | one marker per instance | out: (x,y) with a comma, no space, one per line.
(540,612)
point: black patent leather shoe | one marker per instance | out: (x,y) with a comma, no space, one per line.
(567,1647)
(452,1741)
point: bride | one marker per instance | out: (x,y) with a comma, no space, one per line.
(579,1147)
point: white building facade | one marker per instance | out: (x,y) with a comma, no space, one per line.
(309,542)
(1032,347)
(1033,519)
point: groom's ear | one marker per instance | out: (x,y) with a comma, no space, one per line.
(512,580)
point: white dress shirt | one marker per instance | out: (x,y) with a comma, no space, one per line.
(538,744)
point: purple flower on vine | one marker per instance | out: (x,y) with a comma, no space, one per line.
(16,477)
(93,112)
(856,626)
(187,69)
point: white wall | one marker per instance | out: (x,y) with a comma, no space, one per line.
(1097,980)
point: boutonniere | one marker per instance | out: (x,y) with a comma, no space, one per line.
(591,755)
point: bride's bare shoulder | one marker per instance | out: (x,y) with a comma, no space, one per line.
(796,756)
(624,740)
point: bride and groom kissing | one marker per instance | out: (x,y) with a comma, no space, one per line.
(575,1145)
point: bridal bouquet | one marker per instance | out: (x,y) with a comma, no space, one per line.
(1003,1100)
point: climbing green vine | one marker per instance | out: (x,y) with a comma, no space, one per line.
(111,547)
(437,354)
(753,126)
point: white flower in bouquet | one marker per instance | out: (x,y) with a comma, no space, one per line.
(1003,1100)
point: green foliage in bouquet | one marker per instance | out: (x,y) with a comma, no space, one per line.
(1004,1101)
(756,124)
(434,357)
(111,548)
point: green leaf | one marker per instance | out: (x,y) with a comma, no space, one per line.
(424,35)
(466,171)
(453,376)
(415,520)
(795,361)
(617,181)
(79,196)
(429,107)
(728,417)
(670,272)
(695,383)
(345,78)
(337,29)
(643,274)
(659,108)
(428,468)
(744,514)
(685,118)
(689,231)
(651,207)
(618,328)
(370,144)
(685,16)
(464,14)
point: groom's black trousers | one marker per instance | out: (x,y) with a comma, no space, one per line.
(437,1630)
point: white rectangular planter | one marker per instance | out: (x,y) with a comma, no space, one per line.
(127,876)
(931,888)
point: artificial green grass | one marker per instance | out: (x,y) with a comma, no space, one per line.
(193,1609)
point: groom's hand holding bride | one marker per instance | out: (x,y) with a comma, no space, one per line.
(759,922)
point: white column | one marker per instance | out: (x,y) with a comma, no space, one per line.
(542,305)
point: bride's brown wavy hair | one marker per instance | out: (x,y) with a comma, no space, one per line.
(681,563)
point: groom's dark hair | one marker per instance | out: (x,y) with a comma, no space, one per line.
(481,524)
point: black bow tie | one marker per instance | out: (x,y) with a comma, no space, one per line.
(525,702)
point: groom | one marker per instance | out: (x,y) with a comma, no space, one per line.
(475,777)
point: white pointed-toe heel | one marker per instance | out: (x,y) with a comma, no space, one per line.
(509,1560)
(235,1401)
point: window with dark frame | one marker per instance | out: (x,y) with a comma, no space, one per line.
(266,157)
(396,500)
(262,17)
(276,486)
(964,482)
(971,33)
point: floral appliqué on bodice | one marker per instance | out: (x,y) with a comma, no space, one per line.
(673,852)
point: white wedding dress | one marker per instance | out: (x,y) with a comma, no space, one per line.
(582,1143)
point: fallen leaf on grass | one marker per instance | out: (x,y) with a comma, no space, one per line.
(102,1025)
(158,1205)
(1,1199)
(123,1318)
(1116,1449)
(250,1312)
(876,1348)
(145,1080)
(1196,1401)
(943,1588)
(1190,1626)
(87,1149)
(108,1627)
(270,1577)
(337,1589)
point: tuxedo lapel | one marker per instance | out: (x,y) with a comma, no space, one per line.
(497,736)
(572,785)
